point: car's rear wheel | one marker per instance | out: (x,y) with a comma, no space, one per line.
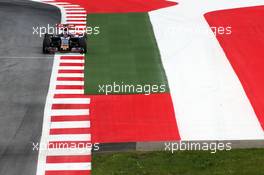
(46,44)
(83,45)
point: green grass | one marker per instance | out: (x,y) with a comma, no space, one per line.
(125,52)
(235,162)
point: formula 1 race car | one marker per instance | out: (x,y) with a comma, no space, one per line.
(65,41)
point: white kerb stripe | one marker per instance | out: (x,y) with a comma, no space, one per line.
(67,166)
(62,3)
(76,22)
(69,137)
(71,67)
(68,152)
(70,83)
(71,55)
(70,5)
(74,8)
(56,112)
(59,3)
(71,124)
(76,11)
(70,75)
(71,101)
(72,18)
(72,61)
(84,15)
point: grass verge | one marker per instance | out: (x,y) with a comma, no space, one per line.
(125,51)
(234,162)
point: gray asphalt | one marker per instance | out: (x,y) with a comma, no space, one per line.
(24,82)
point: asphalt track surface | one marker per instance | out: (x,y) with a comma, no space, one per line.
(24,82)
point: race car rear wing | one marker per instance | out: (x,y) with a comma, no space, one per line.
(65,25)
(71,28)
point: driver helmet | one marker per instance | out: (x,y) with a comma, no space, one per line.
(65,32)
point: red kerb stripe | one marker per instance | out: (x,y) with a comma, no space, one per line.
(70,106)
(72,71)
(70,96)
(69,172)
(70,118)
(72,57)
(70,79)
(70,131)
(68,159)
(69,87)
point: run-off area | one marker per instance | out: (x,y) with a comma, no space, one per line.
(125,53)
